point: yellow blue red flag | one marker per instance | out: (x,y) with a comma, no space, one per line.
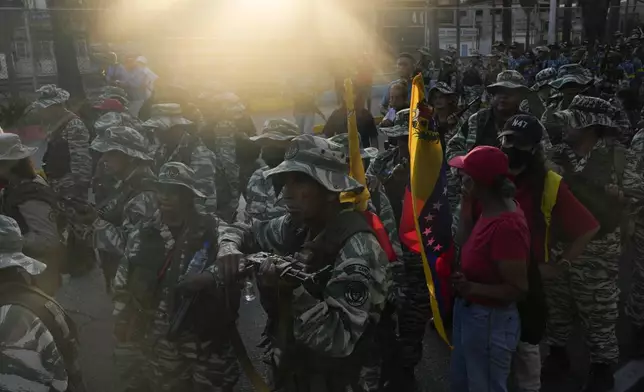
(356,167)
(426,221)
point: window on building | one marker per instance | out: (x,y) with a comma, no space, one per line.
(463,14)
(21,49)
(81,48)
(46,50)
(479,12)
(446,16)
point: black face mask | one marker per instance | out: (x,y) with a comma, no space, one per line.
(273,155)
(518,159)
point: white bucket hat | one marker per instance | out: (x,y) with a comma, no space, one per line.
(12,149)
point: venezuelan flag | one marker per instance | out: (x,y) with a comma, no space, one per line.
(426,221)
(356,168)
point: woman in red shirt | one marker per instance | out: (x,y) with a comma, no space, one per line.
(492,276)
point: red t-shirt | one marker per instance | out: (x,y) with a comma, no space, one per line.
(503,237)
(570,219)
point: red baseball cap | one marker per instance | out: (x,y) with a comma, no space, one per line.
(484,164)
(110,104)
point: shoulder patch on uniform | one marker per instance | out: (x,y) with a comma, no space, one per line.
(356,294)
(291,151)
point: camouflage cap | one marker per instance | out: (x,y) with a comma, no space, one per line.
(512,80)
(572,74)
(124,139)
(12,149)
(176,173)
(322,160)
(441,87)
(585,111)
(544,77)
(278,130)
(447,60)
(165,116)
(400,127)
(115,119)
(113,90)
(342,139)
(11,248)
(49,95)
(425,51)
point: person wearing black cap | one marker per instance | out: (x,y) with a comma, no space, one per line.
(547,203)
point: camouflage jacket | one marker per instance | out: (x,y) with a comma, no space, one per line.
(76,181)
(227,178)
(114,119)
(637,146)
(192,152)
(352,300)
(261,201)
(129,208)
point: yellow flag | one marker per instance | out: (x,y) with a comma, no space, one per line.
(355,160)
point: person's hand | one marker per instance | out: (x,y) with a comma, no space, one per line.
(267,273)
(461,284)
(614,191)
(228,267)
(196,281)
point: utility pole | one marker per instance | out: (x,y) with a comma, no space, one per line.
(552,22)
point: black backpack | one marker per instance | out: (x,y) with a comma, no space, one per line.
(15,289)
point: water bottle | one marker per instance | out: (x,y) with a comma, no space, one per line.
(248,290)
(198,262)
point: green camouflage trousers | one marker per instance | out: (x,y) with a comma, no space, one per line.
(177,367)
(635,302)
(587,290)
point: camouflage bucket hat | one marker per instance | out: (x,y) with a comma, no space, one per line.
(12,149)
(11,248)
(508,80)
(543,78)
(49,95)
(442,88)
(572,74)
(585,111)
(425,51)
(447,60)
(227,103)
(342,139)
(165,116)
(400,127)
(176,173)
(278,130)
(320,159)
(115,119)
(124,139)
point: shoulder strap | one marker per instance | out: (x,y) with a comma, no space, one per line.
(53,316)
(619,163)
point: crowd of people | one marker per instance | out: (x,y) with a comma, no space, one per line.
(544,187)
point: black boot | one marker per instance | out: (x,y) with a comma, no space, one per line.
(600,378)
(556,365)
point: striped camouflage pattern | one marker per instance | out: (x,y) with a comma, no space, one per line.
(320,159)
(201,160)
(278,130)
(115,119)
(227,169)
(153,363)
(138,212)
(76,182)
(124,139)
(261,201)
(332,326)
(165,116)
(588,288)
(343,140)
(635,303)
(48,95)
(11,242)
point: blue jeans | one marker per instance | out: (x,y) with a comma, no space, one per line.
(484,339)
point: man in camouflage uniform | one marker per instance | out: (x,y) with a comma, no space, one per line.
(179,143)
(604,177)
(67,164)
(169,339)
(30,358)
(124,155)
(315,345)
(220,134)
(425,65)
(635,302)
(390,170)
(262,200)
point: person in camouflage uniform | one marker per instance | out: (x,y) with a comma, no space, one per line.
(67,164)
(425,65)
(603,176)
(221,134)
(168,339)
(473,79)
(390,170)
(178,143)
(323,350)
(635,303)
(124,155)
(262,200)
(30,358)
